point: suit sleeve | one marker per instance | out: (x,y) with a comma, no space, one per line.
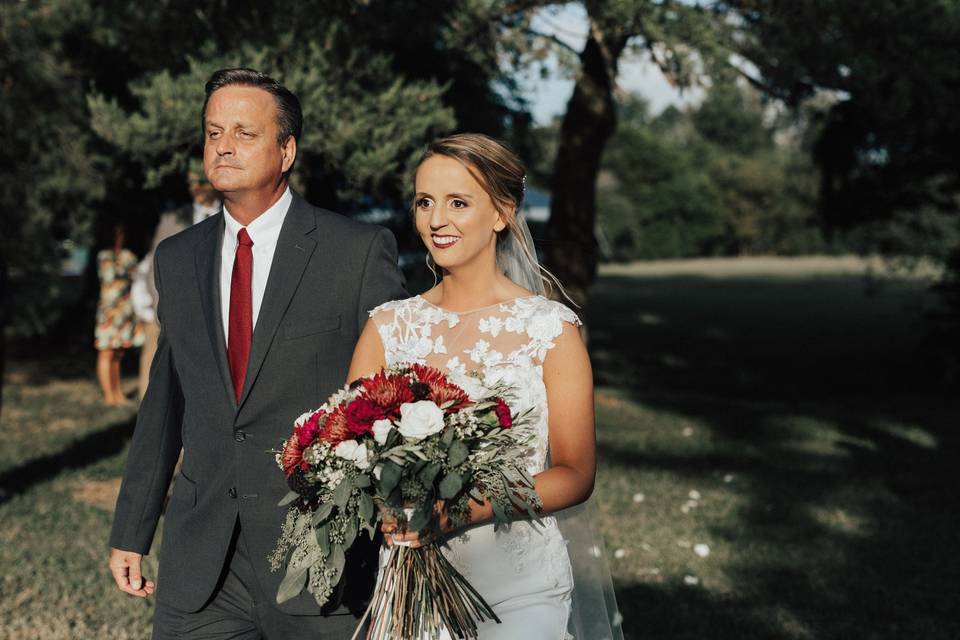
(154,449)
(381,278)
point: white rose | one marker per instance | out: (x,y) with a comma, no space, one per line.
(471,384)
(346,449)
(353,451)
(360,458)
(420,419)
(545,326)
(381,429)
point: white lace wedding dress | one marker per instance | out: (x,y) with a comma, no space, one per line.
(524,572)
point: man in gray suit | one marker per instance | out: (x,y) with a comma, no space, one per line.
(260,307)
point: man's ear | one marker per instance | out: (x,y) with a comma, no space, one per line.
(289,150)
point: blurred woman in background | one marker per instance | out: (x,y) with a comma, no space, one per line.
(117,327)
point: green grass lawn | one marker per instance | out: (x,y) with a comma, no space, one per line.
(781,413)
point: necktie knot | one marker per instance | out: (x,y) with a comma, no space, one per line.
(243,238)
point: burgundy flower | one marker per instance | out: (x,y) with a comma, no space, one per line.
(309,431)
(335,430)
(388,392)
(361,414)
(503,413)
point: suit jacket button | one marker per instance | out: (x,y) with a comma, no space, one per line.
(239,436)
(232,492)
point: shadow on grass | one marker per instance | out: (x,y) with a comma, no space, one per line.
(820,396)
(83,452)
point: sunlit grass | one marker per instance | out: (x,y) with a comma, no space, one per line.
(783,422)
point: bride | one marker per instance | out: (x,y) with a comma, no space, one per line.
(488,315)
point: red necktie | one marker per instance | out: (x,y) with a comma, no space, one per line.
(241,312)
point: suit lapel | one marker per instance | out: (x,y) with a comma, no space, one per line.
(207,261)
(294,248)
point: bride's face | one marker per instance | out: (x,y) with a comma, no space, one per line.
(455,217)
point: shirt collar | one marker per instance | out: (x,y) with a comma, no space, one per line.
(265,229)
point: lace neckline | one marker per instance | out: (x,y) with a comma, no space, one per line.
(469,311)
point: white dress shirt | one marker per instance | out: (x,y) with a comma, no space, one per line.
(203,211)
(264,232)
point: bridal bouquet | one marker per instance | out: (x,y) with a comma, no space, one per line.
(393,444)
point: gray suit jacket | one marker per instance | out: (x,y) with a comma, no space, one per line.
(327,272)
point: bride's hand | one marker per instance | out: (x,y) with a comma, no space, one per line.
(393,534)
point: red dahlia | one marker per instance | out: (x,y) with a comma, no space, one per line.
(388,392)
(292,455)
(361,414)
(335,430)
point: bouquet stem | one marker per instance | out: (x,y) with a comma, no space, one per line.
(419,593)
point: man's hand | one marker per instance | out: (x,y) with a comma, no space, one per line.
(125,567)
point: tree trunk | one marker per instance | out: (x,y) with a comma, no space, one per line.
(590,120)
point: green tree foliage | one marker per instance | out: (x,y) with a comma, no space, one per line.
(889,136)
(706,181)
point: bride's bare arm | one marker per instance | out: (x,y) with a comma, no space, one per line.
(568,377)
(368,356)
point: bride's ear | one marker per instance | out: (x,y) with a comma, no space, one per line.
(502,220)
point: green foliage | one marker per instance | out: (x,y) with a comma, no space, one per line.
(359,118)
(884,80)
(707,181)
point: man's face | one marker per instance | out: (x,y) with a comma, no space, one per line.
(240,151)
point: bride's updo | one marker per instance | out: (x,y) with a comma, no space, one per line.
(503,177)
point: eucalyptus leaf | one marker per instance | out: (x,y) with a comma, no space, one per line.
(365,507)
(336,561)
(361,481)
(447,437)
(450,485)
(287,499)
(322,513)
(429,473)
(389,478)
(457,454)
(293,582)
(341,495)
(350,532)
(322,534)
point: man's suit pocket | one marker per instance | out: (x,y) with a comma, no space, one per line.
(185,491)
(311,327)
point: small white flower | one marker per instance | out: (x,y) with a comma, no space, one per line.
(420,419)
(728,478)
(687,432)
(694,495)
(691,580)
(620,553)
(381,429)
(638,497)
(701,550)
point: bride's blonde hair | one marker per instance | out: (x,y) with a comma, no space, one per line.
(503,177)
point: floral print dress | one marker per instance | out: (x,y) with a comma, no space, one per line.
(117,326)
